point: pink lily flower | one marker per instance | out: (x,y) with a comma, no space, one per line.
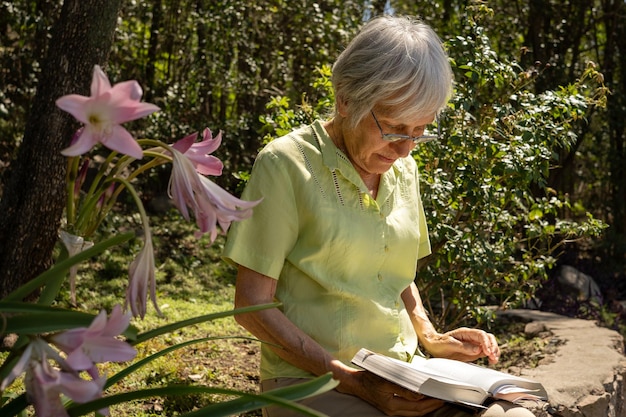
(228,208)
(19,367)
(45,384)
(198,153)
(103,112)
(142,276)
(209,202)
(97,343)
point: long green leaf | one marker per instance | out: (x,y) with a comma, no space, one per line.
(313,387)
(282,396)
(37,319)
(65,265)
(15,406)
(36,323)
(24,307)
(200,319)
(132,368)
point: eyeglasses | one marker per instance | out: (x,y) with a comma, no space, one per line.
(395,137)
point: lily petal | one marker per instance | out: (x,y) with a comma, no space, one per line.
(142,278)
(122,141)
(210,203)
(82,144)
(103,112)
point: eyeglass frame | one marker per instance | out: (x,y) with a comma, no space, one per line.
(395,137)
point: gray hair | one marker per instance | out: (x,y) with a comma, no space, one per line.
(396,63)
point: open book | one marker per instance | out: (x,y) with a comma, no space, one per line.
(451,380)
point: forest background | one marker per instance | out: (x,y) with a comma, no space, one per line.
(530,170)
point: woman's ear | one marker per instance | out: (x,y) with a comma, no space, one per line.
(342,106)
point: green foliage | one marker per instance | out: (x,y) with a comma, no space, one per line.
(282,118)
(214,62)
(495,227)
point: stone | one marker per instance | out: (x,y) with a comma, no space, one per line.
(594,405)
(534,328)
(581,285)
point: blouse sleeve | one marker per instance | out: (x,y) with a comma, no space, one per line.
(263,241)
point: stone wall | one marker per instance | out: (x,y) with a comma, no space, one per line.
(585,378)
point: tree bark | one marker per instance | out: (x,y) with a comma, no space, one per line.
(615,78)
(34,196)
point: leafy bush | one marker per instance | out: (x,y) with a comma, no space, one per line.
(495,227)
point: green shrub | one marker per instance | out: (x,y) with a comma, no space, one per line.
(495,227)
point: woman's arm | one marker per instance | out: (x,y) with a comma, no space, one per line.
(297,348)
(462,344)
(272,326)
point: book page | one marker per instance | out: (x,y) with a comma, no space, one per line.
(488,379)
(515,394)
(407,376)
(450,380)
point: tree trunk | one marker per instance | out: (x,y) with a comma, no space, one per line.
(616,81)
(34,196)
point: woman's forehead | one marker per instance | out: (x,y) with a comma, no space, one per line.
(405,118)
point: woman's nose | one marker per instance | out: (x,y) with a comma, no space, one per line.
(403,147)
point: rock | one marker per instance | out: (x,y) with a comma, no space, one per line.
(581,285)
(534,328)
(595,405)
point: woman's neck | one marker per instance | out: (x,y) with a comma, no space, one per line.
(334,129)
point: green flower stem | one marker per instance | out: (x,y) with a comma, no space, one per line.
(72,172)
(83,226)
(90,217)
(142,211)
(156,161)
(155,143)
(101,173)
(77,225)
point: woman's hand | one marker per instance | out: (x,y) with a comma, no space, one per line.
(463,344)
(388,397)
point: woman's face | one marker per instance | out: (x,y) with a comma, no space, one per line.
(369,152)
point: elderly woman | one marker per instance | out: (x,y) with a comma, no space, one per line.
(341,227)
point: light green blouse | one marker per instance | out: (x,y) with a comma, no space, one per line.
(341,258)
